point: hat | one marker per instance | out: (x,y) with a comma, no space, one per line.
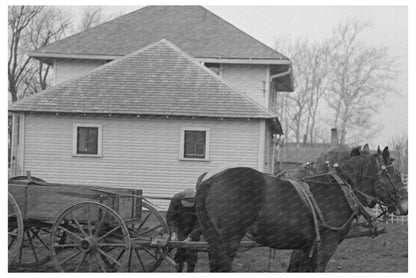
(188,197)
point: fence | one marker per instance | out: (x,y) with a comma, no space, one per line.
(392,218)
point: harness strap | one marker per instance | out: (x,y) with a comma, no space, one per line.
(354,202)
(303,190)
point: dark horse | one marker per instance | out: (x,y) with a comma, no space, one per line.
(240,200)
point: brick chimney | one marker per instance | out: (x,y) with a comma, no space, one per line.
(334,136)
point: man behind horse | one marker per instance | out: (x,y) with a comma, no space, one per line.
(182,222)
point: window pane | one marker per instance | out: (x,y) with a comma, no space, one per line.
(194,144)
(87,140)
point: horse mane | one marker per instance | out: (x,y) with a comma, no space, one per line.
(358,167)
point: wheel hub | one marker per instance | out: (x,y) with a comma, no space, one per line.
(88,244)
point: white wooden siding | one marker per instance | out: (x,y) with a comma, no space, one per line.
(268,151)
(68,69)
(139,153)
(251,79)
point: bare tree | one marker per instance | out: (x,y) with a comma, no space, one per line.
(92,16)
(400,146)
(31,27)
(299,109)
(19,19)
(361,77)
(50,25)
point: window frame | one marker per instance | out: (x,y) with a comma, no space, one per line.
(75,140)
(207,143)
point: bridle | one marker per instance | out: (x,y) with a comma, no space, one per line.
(379,185)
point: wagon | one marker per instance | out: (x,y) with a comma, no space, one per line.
(89,228)
(82,228)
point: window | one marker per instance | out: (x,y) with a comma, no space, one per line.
(87,140)
(195,144)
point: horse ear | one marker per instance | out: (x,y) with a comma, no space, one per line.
(378,150)
(366,149)
(386,155)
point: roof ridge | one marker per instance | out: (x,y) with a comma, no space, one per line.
(237,90)
(229,23)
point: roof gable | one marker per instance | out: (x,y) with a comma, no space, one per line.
(159,79)
(196,30)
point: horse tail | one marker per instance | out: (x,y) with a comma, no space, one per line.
(199,180)
(210,233)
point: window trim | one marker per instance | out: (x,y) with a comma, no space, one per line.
(75,139)
(207,143)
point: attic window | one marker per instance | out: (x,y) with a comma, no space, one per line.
(87,140)
(215,67)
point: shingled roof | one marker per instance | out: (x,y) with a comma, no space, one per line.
(196,30)
(159,79)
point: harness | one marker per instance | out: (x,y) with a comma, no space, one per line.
(302,188)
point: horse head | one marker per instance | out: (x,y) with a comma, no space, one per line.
(375,179)
(390,187)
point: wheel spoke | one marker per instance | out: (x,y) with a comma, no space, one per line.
(69,232)
(90,262)
(100,262)
(109,257)
(97,228)
(150,230)
(111,245)
(89,220)
(32,246)
(78,224)
(108,233)
(68,245)
(144,221)
(80,262)
(148,252)
(12,234)
(36,234)
(12,241)
(69,258)
(140,259)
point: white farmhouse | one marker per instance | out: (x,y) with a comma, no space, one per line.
(151,100)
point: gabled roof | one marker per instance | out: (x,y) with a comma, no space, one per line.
(196,30)
(159,79)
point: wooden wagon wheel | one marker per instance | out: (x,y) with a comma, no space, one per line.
(97,239)
(15,229)
(34,250)
(152,224)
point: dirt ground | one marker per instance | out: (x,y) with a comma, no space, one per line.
(385,253)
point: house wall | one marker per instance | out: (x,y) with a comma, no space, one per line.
(139,153)
(251,79)
(65,69)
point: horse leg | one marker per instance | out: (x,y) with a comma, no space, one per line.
(192,258)
(301,261)
(329,245)
(179,259)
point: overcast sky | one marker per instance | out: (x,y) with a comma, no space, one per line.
(388,28)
